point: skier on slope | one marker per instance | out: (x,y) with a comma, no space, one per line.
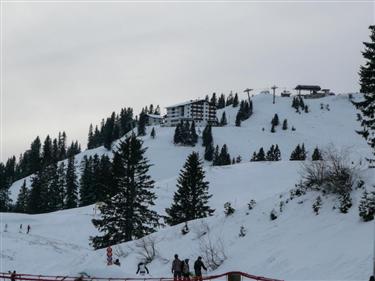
(176,268)
(198,265)
(28,228)
(142,269)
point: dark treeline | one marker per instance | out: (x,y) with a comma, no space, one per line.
(37,156)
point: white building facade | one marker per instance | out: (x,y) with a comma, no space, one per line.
(201,111)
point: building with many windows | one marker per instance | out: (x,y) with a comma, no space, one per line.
(201,111)
(154,119)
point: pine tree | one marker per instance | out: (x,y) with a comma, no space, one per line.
(90,138)
(254,157)
(35,159)
(5,201)
(71,200)
(193,134)
(191,198)
(47,151)
(273,130)
(223,120)
(86,187)
(224,157)
(177,138)
(261,155)
(316,155)
(126,215)
(54,189)
(229,99)
(238,119)
(221,102)
(214,99)
(285,124)
(367,105)
(345,202)
(275,120)
(209,152)
(367,206)
(207,138)
(298,154)
(235,100)
(142,123)
(153,133)
(270,154)
(38,199)
(216,160)
(22,199)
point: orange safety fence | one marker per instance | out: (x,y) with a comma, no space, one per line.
(32,277)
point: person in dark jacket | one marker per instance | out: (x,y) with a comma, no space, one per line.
(142,269)
(176,268)
(198,265)
(13,276)
(186,270)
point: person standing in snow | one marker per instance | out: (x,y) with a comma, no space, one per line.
(13,276)
(186,270)
(176,268)
(28,228)
(142,269)
(198,265)
(20,228)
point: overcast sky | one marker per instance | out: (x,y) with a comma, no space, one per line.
(67,65)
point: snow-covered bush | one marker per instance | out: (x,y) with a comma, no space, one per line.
(317,205)
(251,204)
(298,191)
(243,231)
(212,251)
(345,202)
(333,174)
(367,206)
(273,215)
(228,209)
(146,249)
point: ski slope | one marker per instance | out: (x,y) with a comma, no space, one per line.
(297,246)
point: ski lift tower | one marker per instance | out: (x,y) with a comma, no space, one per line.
(274,89)
(248,93)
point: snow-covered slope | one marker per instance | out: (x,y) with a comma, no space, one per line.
(298,245)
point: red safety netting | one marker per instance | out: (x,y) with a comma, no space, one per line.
(224,276)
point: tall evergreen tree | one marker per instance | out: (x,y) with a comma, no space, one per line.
(317,155)
(209,152)
(367,82)
(214,99)
(221,102)
(193,134)
(207,136)
(153,133)
(216,159)
(238,119)
(223,120)
(71,199)
(47,156)
(126,215)
(224,157)
(86,187)
(5,201)
(22,199)
(38,199)
(142,124)
(190,201)
(90,138)
(235,100)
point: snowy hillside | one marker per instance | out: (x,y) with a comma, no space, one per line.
(297,246)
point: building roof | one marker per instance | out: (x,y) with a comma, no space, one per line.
(186,102)
(308,87)
(155,116)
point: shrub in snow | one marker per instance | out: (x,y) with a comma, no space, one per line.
(273,129)
(293,129)
(345,202)
(285,124)
(317,205)
(185,230)
(298,191)
(228,209)
(367,206)
(273,215)
(146,249)
(281,206)
(212,251)
(243,231)
(251,204)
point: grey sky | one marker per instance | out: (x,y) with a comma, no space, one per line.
(68,65)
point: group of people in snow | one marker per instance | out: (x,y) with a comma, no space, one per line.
(181,269)
(20,229)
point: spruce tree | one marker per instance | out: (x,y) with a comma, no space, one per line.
(153,133)
(214,99)
(61,187)
(142,124)
(22,199)
(238,119)
(209,152)
(216,159)
(273,130)
(5,201)
(261,155)
(127,215)
(367,83)
(193,134)
(223,120)
(224,157)
(235,100)
(367,206)
(190,201)
(275,120)
(38,199)
(316,155)
(207,138)
(71,199)
(54,189)
(47,156)
(285,124)
(90,138)
(177,138)
(221,102)
(86,187)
